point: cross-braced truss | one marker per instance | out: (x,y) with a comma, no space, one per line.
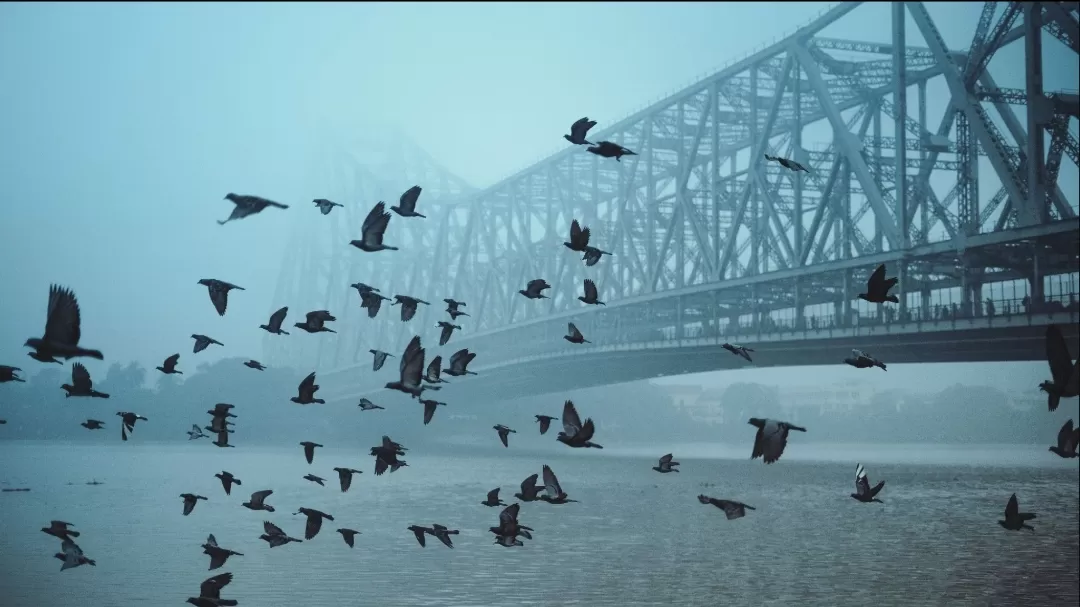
(699,211)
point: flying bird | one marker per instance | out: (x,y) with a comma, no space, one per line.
(862,360)
(367,405)
(411,370)
(306,392)
(1014,519)
(63,328)
(325,206)
(218,555)
(348,535)
(553,491)
(93,424)
(607,149)
(407,203)
(545,422)
(408,306)
(81,385)
(529,491)
(579,237)
(362,288)
(429,409)
(771,438)
(195,432)
(443,533)
(309,450)
(129,422)
(452,308)
(222,439)
(593,255)
(222,410)
(419,533)
(1067,441)
(459,362)
(447,331)
(380,358)
(373,229)
(314,521)
(576,434)
(59,529)
(274,326)
(535,289)
(578,130)
(190,499)
(493,499)
(573,335)
(169,366)
(733,510)
(504,433)
(219,293)
(591,297)
(787,163)
(1065,382)
(203,342)
(877,287)
(258,501)
(345,477)
(738,350)
(248,205)
(373,302)
(863,491)
(72,555)
(434,371)
(315,322)
(666,465)
(227,481)
(254,364)
(8,373)
(510,528)
(318,480)
(386,456)
(273,535)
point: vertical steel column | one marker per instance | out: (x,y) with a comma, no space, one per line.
(797,218)
(755,224)
(1035,211)
(714,174)
(679,225)
(899,35)
(651,209)
(924,210)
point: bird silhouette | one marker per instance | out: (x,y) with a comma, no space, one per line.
(273,535)
(274,325)
(504,433)
(1065,374)
(863,491)
(190,499)
(407,203)
(408,306)
(314,521)
(306,392)
(607,149)
(318,480)
(492,499)
(877,287)
(315,322)
(578,130)
(367,405)
(459,362)
(254,364)
(227,481)
(169,366)
(787,163)
(195,432)
(553,493)
(771,438)
(345,477)
(258,501)
(325,206)
(219,293)
(545,422)
(309,450)
(591,296)
(1014,519)
(738,350)
(373,229)
(373,302)
(348,535)
(1067,441)
(447,331)
(530,492)
(93,424)
(573,335)
(535,289)
(203,342)
(666,465)
(576,434)
(81,385)
(379,360)
(732,510)
(72,555)
(129,420)
(434,372)
(593,256)
(862,360)
(218,555)
(579,237)
(429,409)
(8,373)
(246,206)
(411,370)
(63,328)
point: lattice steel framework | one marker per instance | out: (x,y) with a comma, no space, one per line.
(697,211)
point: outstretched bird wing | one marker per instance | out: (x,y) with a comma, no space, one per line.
(272,529)
(570,420)
(412,363)
(573,330)
(551,483)
(1065,435)
(80,378)
(1057,354)
(375,225)
(62,325)
(277,318)
(1012,509)
(877,280)
(407,202)
(862,483)
(590,290)
(307,386)
(211,588)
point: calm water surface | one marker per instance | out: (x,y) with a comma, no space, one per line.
(636,538)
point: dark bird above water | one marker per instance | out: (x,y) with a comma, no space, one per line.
(733,510)
(258,501)
(529,491)
(1014,519)
(367,405)
(407,203)
(420,533)
(219,293)
(607,149)
(8,373)
(666,465)
(325,206)
(274,326)
(429,409)
(738,350)
(314,521)
(573,335)
(593,255)
(408,306)
(93,424)
(190,499)
(787,163)
(222,439)
(247,206)
(318,480)
(379,360)
(863,491)
(434,370)
(72,555)
(508,530)
(273,535)
(553,491)
(535,289)
(315,322)
(447,331)
(493,499)
(504,433)
(218,555)
(63,329)
(195,432)
(373,229)
(309,450)
(345,477)
(306,392)
(222,410)
(545,422)
(349,535)
(862,360)
(210,592)
(579,237)
(443,533)
(81,385)
(227,481)
(386,456)
(1067,441)
(411,370)
(578,131)
(60,529)
(576,434)
(373,302)
(591,296)
(771,438)
(877,287)
(129,420)
(459,362)
(254,364)
(1065,382)
(203,342)
(169,366)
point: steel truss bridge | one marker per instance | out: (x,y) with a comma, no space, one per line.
(711,244)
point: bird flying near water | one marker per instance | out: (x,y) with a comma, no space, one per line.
(1065,374)
(877,287)
(245,206)
(863,491)
(63,329)
(771,438)
(81,385)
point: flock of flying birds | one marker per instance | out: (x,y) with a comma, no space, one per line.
(62,335)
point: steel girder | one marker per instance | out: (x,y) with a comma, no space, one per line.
(698,211)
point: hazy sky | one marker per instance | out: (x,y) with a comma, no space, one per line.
(123,126)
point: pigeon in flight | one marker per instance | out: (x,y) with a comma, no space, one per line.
(862,360)
(195,432)
(227,481)
(273,535)
(443,533)
(81,385)
(578,130)
(248,205)
(593,255)
(1065,374)
(72,555)
(493,499)
(504,433)
(1014,519)
(607,149)
(411,370)
(573,335)
(345,477)
(535,289)
(447,331)
(93,424)
(408,306)
(877,287)
(254,364)
(367,405)
(863,491)
(219,293)
(258,501)
(190,499)
(309,450)
(576,434)
(666,465)
(274,326)
(459,361)
(579,237)
(129,422)
(373,229)
(545,422)
(738,350)
(315,322)
(771,438)
(553,491)
(379,360)
(529,491)
(787,163)
(349,535)
(452,308)
(420,533)
(306,392)
(63,328)
(733,510)
(222,439)
(325,206)
(222,410)
(203,342)
(169,366)
(434,370)
(218,555)
(8,373)
(318,480)
(59,529)
(362,288)
(509,528)
(407,203)
(591,296)
(314,521)
(1067,441)
(386,456)
(429,409)
(373,302)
